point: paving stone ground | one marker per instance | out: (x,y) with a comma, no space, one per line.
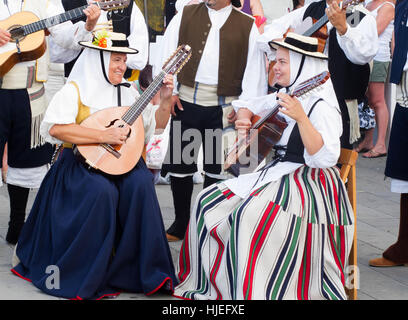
(377,228)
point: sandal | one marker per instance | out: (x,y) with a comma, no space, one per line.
(363,150)
(371,154)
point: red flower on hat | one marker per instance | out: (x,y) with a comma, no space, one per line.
(102,43)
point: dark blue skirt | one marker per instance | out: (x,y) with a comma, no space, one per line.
(396,166)
(89,235)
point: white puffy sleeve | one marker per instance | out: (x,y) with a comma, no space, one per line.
(254,81)
(256,105)
(63,109)
(168,45)
(138,39)
(66,35)
(277,28)
(360,44)
(327,121)
(149,121)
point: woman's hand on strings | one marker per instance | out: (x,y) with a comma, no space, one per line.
(115,135)
(5,37)
(166,90)
(291,107)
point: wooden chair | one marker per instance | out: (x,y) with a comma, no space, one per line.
(348,160)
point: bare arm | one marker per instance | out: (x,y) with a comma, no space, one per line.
(77,134)
(384,17)
(392,43)
(256,8)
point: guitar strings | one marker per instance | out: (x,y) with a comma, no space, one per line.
(49,22)
(137,108)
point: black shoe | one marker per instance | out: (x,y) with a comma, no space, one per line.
(13,233)
(18,202)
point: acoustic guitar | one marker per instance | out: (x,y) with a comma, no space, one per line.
(119,159)
(265,132)
(317,30)
(28,36)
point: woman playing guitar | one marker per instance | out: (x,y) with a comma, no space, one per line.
(264,235)
(103,232)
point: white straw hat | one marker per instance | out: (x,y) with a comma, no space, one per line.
(109,41)
(298,43)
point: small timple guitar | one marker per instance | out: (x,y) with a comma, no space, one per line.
(28,35)
(265,132)
(119,159)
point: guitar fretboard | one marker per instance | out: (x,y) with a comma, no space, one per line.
(137,108)
(323,20)
(52,21)
(320,23)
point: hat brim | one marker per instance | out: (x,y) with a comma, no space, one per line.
(110,49)
(276,44)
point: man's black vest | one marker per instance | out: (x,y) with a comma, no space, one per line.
(350,81)
(120,22)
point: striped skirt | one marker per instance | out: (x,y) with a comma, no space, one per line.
(289,239)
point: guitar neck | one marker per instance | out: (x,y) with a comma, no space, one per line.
(137,108)
(320,23)
(53,21)
(296,93)
(323,20)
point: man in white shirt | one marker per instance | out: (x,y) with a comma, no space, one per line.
(24,104)
(223,42)
(352,44)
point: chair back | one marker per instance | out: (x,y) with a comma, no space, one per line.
(348,159)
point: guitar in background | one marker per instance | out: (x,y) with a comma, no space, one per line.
(28,33)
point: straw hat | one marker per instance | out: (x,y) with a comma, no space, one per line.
(109,41)
(298,43)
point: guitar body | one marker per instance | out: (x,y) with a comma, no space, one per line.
(266,130)
(31,46)
(97,157)
(322,34)
(257,146)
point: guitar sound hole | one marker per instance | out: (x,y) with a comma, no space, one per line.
(17,33)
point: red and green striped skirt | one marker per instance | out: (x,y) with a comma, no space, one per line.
(290,239)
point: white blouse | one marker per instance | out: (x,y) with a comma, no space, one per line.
(63,109)
(325,118)
(360,43)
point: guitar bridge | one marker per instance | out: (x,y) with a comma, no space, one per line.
(111,150)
